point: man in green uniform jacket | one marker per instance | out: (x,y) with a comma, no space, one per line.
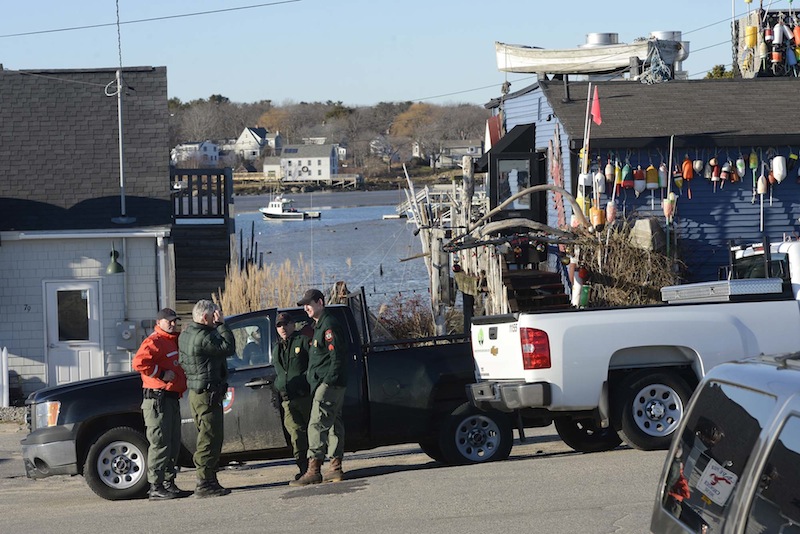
(205,345)
(290,357)
(327,376)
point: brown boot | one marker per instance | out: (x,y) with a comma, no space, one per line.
(302,464)
(334,471)
(312,474)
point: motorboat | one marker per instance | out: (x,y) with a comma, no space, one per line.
(584,59)
(280,209)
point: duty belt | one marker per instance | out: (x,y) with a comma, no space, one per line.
(159,393)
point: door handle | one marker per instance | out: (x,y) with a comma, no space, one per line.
(258,383)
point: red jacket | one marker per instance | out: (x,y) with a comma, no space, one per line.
(159,353)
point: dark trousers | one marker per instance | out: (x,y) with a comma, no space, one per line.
(296,413)
(210,433)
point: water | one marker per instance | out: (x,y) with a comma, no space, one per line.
(353,244)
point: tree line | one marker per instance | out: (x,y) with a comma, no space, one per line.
(375,136)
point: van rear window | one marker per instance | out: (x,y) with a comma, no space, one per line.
(713,451)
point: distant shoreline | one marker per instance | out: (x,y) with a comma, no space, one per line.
(327,199)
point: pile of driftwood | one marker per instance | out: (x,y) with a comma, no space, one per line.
(625,266)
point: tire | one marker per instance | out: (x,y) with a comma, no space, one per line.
(584,435)
(116,465)
(472,436)
(649,407)
(432,449)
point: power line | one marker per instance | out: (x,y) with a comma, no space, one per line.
(153,19)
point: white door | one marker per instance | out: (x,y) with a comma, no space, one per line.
(72,315)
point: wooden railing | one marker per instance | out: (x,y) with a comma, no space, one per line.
(201,193)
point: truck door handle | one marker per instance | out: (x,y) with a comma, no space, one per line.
(258,383)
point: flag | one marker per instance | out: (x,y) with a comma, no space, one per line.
(596,117)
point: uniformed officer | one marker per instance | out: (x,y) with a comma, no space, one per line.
(205,345)
(290,357)
(163,383)
(327,376)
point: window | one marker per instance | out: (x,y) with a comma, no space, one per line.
(319,172)
(714,449)
(73,315)
(309,162)
(319,162)
(775,506)
(290,174)
(289,163)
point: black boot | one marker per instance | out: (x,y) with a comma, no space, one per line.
(159,493)
(209,488)
(170,486)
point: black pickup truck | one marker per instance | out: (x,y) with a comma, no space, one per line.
(398,392)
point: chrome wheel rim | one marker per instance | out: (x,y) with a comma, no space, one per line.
(657,410)
(121,465)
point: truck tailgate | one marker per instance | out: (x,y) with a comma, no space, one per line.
(496,347)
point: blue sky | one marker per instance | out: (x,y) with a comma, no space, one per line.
(358,51)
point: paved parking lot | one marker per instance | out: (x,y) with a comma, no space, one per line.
(543,487)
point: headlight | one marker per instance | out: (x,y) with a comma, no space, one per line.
(46,414)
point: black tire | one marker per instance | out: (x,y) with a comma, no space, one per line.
(649,406)
(432,449)
(116,465)
(584,435)
(472,436)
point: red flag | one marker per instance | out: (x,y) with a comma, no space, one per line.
(596,117)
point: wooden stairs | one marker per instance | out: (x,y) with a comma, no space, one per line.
(533,290)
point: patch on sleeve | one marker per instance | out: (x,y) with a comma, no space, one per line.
(328,335)
(330,347)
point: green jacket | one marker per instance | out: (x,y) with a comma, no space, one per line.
(327,355)
(203,354)
(290,357)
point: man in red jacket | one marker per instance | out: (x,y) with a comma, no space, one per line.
(163,382)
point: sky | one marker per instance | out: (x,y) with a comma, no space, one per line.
(359,52)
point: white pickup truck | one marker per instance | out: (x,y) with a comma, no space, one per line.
(609,375)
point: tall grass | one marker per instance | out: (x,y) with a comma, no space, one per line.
(254,288)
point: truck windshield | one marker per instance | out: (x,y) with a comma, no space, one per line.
(712,453)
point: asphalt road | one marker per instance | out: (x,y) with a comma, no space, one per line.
(543,487)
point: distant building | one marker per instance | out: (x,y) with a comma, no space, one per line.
(195,154)
(308,163)
(448,154)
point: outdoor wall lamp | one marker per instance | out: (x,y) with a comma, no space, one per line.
(114,266)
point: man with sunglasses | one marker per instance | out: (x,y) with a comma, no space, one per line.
(290,357)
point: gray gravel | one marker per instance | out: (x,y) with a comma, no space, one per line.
(12,415)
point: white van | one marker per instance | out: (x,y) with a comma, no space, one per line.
(734,463)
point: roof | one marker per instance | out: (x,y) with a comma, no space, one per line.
(259,132)
(728,112)
(69,178)
(307,151)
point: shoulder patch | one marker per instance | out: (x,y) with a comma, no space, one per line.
(328,335)
(297,350)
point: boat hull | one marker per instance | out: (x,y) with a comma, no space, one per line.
(582,60)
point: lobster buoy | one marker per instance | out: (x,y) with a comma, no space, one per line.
(651,177)
(611,211)
(792,161)
(708,172)
(597,216)
(777,55)
(617,176)
(639,182)
(663,175)
(771,178)
(610,171)
(668,207)
(768,35)
(741,167)
(763,50)
(715,173)
(791,57)
(698,166)
(713,161)
(761,187)
(753,161)
(677,177)
(627,177)
(688,168)
(796,32)
(584,180)
(725,173)
(779,168)
(750,36)
(599,182)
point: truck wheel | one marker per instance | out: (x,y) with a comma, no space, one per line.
(471,436)
(650,407)
(116,466)
(584,435)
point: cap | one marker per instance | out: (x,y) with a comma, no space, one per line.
(283,317)
(309,296)
(168,314)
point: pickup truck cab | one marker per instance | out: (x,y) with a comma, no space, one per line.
(734,464)
(398,392)
(609,375)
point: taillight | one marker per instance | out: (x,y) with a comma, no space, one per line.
(535,348)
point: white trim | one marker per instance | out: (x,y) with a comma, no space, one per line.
(88,234)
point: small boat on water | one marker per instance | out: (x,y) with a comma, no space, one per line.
(280,209)
(584,59)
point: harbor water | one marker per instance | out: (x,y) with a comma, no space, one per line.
(350,242)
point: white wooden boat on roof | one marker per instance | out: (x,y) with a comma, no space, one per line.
(583,59)
(281,209)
